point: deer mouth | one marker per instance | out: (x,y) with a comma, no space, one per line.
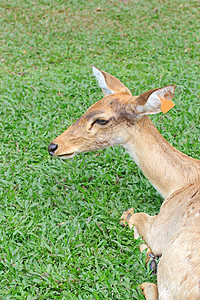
(67,155)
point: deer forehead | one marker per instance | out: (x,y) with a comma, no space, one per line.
(108,106)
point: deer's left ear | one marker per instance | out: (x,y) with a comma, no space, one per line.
(151,101)
(108,83)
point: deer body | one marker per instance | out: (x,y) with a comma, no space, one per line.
(121,119)
(175,234)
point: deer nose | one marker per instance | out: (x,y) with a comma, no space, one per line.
(52,148)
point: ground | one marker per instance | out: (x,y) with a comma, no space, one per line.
(59,222)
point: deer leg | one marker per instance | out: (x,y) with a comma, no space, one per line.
(149,290)
(151,259)
(142,227)
(141,223)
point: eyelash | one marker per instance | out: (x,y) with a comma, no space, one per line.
(101,122)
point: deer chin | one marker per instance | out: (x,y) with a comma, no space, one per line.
(67,155)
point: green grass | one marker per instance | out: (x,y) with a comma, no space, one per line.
(59,231)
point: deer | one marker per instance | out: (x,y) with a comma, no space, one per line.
(120,118)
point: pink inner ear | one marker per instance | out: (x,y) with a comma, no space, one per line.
(169,94)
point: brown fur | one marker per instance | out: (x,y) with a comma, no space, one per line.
(149,290)
(174,233)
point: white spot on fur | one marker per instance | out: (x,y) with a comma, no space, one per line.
(136,234)
(197,214)
(130,149)
(118,141)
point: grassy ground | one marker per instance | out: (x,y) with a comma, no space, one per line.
(59,231)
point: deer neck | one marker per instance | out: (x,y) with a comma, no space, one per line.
(167,168)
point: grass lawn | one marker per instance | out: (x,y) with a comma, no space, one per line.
(60,236)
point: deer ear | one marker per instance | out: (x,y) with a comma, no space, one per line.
(153,101)
(108,83)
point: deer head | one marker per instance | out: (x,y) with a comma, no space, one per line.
(107,122)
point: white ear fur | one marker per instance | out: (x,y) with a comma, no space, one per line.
(101,81)
(153,104)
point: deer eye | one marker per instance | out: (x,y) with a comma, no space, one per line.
(101,121)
